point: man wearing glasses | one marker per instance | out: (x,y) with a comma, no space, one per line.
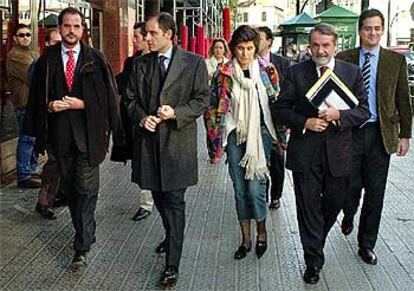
(19,59)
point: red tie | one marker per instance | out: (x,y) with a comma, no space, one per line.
(323,69)
(70,69)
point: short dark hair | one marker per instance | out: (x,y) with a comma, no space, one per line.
(166,22)
(49,32)
(242,34)
(266,30)
(213,43)
(368,14)
(325,29)
(71,10)
(141,27)
(20,26)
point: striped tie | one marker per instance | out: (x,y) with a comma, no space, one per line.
(366,70)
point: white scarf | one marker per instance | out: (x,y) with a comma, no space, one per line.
(246,114)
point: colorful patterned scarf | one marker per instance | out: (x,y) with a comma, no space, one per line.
(220,88)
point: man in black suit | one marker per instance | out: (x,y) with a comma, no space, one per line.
(73,107)
(167,91)
(318,151)
(387,131)
(277,157)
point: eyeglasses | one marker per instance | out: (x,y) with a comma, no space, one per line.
(21,35)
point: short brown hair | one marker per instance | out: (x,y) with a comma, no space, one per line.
(49,33)
(166,22)
(368,14)
(244,33)
(325,29)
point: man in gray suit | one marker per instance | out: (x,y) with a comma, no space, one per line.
(167,91)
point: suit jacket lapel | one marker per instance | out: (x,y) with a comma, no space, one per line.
(311,75)
(176,67)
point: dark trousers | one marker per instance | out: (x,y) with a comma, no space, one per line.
(82,186)
(370,166)
(277,172)
(319,199)
(171,206)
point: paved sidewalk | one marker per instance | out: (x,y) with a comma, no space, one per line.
(35,253)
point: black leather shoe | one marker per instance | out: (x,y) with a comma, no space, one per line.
(261,247)
(79,261)
(368,256)
(241,252)
(162,247)
(311,275)
(347,225)
(274,204)
(29,183)
(45,212)
(169,277)
(60,202)
(141,214)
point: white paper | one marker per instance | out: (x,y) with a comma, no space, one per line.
(335,100)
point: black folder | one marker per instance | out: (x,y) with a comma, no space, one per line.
(331,89)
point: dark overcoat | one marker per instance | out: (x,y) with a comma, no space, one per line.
(293,108)
(393,99)
(95,85)
(167,159)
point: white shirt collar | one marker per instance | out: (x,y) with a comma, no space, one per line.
(75,49)
(167,54)
(330,65)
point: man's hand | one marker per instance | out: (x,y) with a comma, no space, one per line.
(330,113)
(166,112)
(150,122)
(316,124)
(74,103)
(58,105)
(403,146)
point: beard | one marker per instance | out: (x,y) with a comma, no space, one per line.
(321,61)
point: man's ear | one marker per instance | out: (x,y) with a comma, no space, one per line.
(169,33)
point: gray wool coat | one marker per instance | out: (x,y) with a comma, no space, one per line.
(167,159)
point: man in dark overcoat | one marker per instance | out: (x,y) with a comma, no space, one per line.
(73,107)
(319,151)
(167,91)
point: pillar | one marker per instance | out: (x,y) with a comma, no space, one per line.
(115,32)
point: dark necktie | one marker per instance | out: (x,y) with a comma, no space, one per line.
(163,71)
(366,70)
(323,69)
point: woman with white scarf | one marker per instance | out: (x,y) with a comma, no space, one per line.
(242,124)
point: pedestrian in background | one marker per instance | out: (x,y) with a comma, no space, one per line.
(387,131)
(277,155)
(217,55)
(124,153)
(19,59)
(163,113)
(74,108)
(51,194)
(217,52)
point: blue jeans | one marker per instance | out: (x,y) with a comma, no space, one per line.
(250,195)
(26,156)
